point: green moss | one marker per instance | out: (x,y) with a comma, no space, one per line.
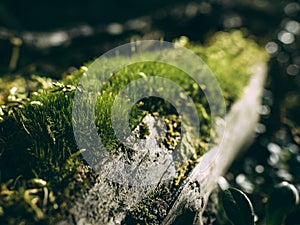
(36,133)
(230,57)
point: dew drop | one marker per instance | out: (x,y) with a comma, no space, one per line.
(244,182)
(274,148)
(232,21)
(259,169)
(273,159)
(259,180)
(260,128)
(271,47)
(284,175)
(205,8)
(293,148)
(264,110)
(292,70)
(291,8)
(293,27)
(286,37)
(115,28)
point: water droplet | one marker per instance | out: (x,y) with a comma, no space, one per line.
(244,182)
(191,10)
(271,47)
(284,175)
(292,26)
(291,8)
(293,148)
(137,24)
(268,97)
(259,180)
(115,28)
(274,148)
(232,21)
(264,110)
(84,30)
(260,128)
(292,70)
(205,8)
(259,169)
(286,37)
(56,39)
(273,159)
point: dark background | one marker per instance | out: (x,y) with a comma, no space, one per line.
(32,20)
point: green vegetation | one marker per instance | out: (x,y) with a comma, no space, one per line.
(238,207)
(281,201)
(41,168)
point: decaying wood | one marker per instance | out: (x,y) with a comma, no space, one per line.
(116,192)
(240,126)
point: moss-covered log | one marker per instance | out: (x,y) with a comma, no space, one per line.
(161,203)
(240,128)
(54,183)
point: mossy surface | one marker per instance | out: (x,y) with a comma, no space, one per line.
(42,170)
